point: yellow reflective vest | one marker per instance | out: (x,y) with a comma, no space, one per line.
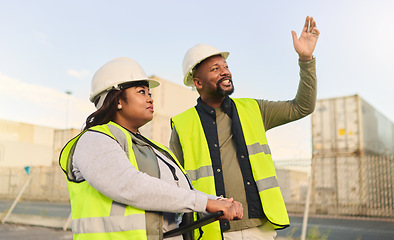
(198,163)
(95,216)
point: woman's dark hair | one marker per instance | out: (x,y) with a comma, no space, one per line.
(110,105)
(107,112)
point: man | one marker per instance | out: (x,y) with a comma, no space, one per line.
(221,141)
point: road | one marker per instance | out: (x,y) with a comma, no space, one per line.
(37,208)
(332,228)
(342,228)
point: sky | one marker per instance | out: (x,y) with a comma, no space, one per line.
(48,48)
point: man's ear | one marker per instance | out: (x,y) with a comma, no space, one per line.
(197,83)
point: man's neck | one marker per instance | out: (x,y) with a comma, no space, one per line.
(213,102)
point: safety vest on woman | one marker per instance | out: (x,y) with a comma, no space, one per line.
(198,163)
(95,216)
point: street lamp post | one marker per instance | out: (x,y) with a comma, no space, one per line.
(67,103)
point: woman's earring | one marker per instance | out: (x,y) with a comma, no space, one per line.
(119,106)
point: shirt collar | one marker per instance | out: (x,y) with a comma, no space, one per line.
(226,106)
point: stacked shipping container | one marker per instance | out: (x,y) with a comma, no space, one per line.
(352,165)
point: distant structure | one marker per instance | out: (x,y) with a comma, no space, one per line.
(352,164)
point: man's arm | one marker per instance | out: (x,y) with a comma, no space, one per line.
(276,113)
(104,165)
(281,112)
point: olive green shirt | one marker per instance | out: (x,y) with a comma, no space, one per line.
(274,113)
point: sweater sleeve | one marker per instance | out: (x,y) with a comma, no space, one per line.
(103,164)
(175,146)
(276,113)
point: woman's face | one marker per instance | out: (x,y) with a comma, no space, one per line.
(137,108)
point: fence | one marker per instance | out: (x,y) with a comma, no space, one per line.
(342,185)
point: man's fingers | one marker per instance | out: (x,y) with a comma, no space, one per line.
(313,23)
(294,36)
(315,31)
(306,25)
(238,210)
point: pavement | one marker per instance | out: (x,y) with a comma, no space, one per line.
(27,232)
(41,221)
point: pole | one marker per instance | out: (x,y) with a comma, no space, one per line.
(67,222)
(17,199)
(67,103)
(306,210)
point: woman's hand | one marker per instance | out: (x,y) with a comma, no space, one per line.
(232,210)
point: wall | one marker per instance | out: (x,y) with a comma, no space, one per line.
(23,144)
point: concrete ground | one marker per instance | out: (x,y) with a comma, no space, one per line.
(27,232)
(40,221)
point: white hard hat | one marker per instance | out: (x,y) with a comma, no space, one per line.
(194,56)
(115,72)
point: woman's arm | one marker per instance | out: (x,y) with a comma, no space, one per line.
(104,165)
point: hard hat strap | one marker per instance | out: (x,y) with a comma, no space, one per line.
(102,97)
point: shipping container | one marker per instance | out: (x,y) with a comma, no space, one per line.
(353,163)
(350,124)
(353,185)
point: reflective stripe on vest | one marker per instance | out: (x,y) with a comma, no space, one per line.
(189,128)
(116,222)
(202,172)
(95,216)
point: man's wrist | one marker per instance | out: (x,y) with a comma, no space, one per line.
(305,59)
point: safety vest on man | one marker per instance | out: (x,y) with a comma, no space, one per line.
(95,216)
(198,163)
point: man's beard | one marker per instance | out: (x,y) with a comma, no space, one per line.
(220,91)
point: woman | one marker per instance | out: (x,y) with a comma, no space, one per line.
(121,184)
